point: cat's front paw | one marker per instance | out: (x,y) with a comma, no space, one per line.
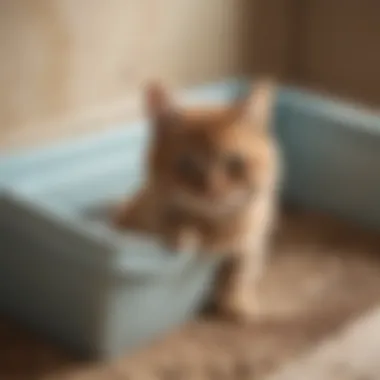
(240,307)
(186,240)
(120,218)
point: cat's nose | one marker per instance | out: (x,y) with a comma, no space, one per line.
(199,183)
(210,184)
(215,187)
(215,193)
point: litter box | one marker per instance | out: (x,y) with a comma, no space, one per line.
(67,274)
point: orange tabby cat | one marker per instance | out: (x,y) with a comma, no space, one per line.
(213,175)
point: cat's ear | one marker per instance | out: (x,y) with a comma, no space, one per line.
(158,101)
(258,108)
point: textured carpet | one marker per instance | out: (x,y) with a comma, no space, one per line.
(351,354)
(323,276)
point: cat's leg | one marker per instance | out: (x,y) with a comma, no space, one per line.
(238,294)
(136,214)
(177,234)
(182,239)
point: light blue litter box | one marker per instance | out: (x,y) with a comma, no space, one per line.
(66,273)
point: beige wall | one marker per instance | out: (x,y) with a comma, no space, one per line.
(337,48)
(76,64)
(76,59)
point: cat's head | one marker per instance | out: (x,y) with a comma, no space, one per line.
(211,159)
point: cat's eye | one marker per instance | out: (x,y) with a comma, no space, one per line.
(190,169)
(235,165)
(186,165)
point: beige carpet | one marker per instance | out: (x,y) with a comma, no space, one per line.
(324,275)
(351,354)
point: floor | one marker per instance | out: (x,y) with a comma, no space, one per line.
(324,274)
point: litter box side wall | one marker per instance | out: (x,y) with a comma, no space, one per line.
(332,155)
(138,312)
(47,283)
(94,301)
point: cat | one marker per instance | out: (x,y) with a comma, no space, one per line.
(213,175)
